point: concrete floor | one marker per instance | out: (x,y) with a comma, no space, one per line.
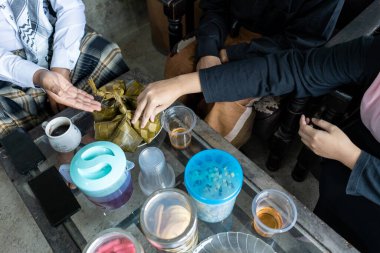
(306,192)
(126,23)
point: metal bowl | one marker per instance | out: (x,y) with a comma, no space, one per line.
(143,143)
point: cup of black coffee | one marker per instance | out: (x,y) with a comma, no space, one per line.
(60,130)
(63,135)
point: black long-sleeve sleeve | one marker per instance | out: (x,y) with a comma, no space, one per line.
(364,178)
(311,26)
(213,27)
(310,73)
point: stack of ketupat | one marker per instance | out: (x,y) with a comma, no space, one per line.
(113,122)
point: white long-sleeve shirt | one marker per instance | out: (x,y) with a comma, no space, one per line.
(69,30)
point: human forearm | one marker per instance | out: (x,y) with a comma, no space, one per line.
(64,72)
(37,77)
(189,83)
(364,177)
(312,73)
(46,80)
(43,79)
(349,155)
(259,47)
(213,27)
(16,70)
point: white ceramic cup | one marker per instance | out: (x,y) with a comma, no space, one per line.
(68,140)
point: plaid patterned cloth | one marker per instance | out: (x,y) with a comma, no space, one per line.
(28,107)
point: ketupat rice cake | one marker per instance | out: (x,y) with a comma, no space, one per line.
(119,102)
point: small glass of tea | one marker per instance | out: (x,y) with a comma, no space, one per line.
(179,121)
(273,212)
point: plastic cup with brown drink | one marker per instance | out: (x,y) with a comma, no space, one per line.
(273,212)
(179,121)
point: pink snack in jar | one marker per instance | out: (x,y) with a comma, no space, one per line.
(114,240)
(125,246)
(108,246)
(117,246)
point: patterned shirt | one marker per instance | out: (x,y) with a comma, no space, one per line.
(21,22)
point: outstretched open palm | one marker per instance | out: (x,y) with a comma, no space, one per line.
(65,93)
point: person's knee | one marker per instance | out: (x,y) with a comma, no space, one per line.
(97,46)
(232,120)
(180,63)
(332,182)
(100,59)
(176,66)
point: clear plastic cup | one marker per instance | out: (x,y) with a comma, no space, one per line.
(113,240)
(168,220)
(179,121)
(155,173)
(273,212)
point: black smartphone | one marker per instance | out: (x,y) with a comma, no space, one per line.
(56,199)
(23,152)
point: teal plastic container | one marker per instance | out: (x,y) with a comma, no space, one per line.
(213,178)
(101,171)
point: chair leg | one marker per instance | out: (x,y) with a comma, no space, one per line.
(285,133)
(190,16)
(175,10)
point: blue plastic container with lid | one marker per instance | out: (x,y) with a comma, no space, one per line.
(213,178)
(101,171)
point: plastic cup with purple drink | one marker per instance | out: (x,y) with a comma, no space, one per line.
(101,171)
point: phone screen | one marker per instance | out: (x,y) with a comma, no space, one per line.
(56,199)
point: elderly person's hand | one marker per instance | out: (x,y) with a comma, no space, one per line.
(63,92)
(158,96)
(208,62)
(331,142)
(54,105)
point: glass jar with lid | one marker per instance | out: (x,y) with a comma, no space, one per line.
(169,221)
(115,240)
